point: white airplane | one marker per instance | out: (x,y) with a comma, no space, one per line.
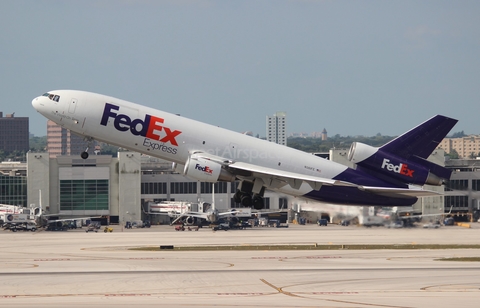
(212,214)
(181,210)
(391,175)
(170,208)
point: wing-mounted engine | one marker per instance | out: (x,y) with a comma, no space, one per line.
(206,170)
(414,170)
(189,220)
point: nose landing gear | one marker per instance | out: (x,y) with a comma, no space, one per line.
(89,141)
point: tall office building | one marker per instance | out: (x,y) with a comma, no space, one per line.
(61,141)
(13,133)
(277,128)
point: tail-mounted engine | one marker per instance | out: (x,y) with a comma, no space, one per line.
(414,170)
(206,170)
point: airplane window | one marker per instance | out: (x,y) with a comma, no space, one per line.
(53,97)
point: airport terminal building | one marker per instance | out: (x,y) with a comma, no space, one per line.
(119,188)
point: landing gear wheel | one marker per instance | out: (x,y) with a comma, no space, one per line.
(237,197)
(246,200)
(257,203)
(84,155)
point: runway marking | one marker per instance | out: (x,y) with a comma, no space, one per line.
(305,295)
(364,304)
(278,289)
(51,259)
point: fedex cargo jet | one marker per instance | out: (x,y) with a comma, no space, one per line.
(391,175)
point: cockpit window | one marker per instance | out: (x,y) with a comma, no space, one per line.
(51,96)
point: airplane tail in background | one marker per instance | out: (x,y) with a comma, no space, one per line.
(404,159)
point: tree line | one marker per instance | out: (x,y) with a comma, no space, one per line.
(308,144)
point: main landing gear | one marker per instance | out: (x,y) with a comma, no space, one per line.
(247,197)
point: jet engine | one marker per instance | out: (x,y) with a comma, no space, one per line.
(189,221)
(206,170)
(414,170)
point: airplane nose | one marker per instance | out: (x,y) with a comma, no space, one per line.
(36,103)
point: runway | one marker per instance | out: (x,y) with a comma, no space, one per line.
(74,269)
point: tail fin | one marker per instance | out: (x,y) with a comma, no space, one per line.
(422,140)
(404,159)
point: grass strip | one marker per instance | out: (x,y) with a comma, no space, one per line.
(311,247)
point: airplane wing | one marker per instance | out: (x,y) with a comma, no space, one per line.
(277,178)
(194,214)
(189,214)
(68,219)
(245,212)
(396,192)
(230,213)
(430,215)
(169,214)
(262,212)
(274,178)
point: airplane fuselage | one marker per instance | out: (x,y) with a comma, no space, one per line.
(175,138)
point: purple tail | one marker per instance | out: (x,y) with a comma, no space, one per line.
(404,159)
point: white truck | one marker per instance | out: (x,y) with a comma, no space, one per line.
(18,219)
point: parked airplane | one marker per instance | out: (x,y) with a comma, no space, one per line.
(391,175)
(170,208)
(211,215)
(183,211)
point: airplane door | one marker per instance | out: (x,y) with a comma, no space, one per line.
(73,105)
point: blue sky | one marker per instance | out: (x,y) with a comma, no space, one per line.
(352,67)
